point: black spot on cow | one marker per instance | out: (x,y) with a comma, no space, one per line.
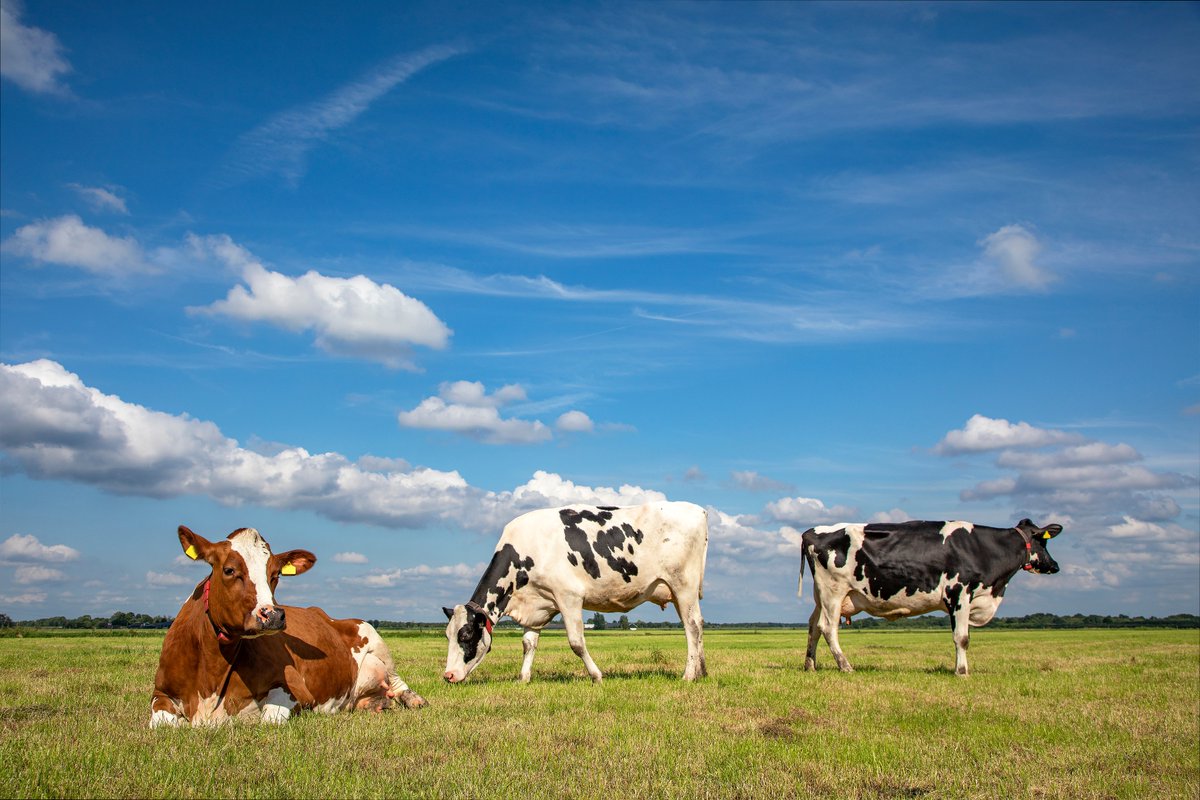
(577,540)
(612,541)
(495,588)
(607,508)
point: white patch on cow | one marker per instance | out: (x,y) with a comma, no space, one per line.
(209,711)
(955,525)
(984,606)
(162,718)
(277,706)
(254,551)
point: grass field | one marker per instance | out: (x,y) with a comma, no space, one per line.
(1070,714)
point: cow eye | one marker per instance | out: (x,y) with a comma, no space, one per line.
(229,572)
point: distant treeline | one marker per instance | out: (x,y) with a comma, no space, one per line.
(130,620)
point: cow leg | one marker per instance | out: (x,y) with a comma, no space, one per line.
(377,684)
(688,609)
(814,636)
(572,614)
(960,626)
(529,643)
(164,713)
(831,606)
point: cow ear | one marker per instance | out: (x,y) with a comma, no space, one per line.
(195,546)
(449,612)
(1050,531)
(294,562)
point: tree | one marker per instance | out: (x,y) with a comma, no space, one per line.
(5,621)
(623,622)
(598,622)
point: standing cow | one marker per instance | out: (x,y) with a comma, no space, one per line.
(910,568)
(602,558)
(233,653)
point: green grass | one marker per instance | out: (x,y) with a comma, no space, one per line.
(1070,714)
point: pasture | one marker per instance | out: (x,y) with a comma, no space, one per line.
(1045,714)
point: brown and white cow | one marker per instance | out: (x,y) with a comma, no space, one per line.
(233,653)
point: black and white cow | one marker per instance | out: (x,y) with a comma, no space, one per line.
(910,568)
(600,558)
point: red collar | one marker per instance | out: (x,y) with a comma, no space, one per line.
(222,636)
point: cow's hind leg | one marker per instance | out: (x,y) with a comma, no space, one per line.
(378,685)
(831,606)
(529,643)
(814,636)
(572,614)
(960,626)
(688,607)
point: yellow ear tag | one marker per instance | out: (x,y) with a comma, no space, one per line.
(191,552)
(1046,535)
(288,569)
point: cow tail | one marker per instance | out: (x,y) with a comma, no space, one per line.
(800,587)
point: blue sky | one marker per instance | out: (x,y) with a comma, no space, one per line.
(376,281)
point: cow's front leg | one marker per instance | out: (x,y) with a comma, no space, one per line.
(572,615)
(529,643)
(164,713)
(277,706)
(960,626)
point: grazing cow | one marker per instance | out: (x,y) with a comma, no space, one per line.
(602,558)
(910,568)
(233,653)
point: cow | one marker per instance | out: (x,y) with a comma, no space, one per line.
(233,653)
(910,568)
(600,558)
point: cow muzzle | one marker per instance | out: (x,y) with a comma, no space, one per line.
(270,619)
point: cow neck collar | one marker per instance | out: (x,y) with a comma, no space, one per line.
(222,636)
(1028,565)
(487,618)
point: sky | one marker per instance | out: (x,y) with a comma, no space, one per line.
(376,280)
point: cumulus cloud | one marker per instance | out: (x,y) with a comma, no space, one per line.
(354,317)
(101,198)
(23,599)
(982,434)
(67,241)
(1012,250)
(35,573)
(30,57)
(54,426)
(805,512)
(19,547)
(467,409)
(350,558)
(575,422)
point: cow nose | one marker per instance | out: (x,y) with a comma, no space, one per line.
(273,618)
(448,677)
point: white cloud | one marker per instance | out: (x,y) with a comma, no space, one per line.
(575,422)
(30,57)
(281,145)
(54,426)
(164,579)
(27,548)
(24,599)
(892,516)
(804,512)
(465,408)
(981,434)
(350,316)
(35,573)
(101,198)
(67,241)
(1013,249)
(350,558)
(752,481)
(459,573)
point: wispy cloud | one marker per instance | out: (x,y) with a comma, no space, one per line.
(101,198)
(280,146)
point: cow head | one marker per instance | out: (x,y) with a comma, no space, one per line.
(241,591)
(470,635)
(1039,556)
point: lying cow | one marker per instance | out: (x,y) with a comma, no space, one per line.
(233,653)
(901,570)
(602,558)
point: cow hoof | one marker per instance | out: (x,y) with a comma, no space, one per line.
(411,699)
(962,673)
(810,665)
